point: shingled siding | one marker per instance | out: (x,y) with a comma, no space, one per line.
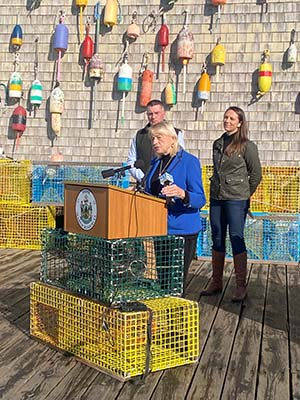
(246,30)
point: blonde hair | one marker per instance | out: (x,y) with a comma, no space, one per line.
(167,129)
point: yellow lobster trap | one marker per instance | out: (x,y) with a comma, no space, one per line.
(147,336)
(21,225)
(279,190)
(15,179)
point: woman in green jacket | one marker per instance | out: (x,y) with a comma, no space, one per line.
(236,175)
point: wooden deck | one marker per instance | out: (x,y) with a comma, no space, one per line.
(248,351)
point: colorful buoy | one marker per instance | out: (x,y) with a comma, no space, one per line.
(19,122)
(16,39)
(264,75)
(218,55)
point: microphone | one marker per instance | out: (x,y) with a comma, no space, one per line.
(107,173)
(167,179)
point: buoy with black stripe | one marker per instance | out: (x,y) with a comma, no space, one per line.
(264,75)
(18,123)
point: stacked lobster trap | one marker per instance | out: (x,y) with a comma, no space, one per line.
(114,303)
(272,231)
(21,222)
(48,179)
(30,194)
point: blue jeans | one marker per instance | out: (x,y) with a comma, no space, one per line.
(231,213)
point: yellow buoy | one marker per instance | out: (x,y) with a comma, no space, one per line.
(111,13)
(218,56)
(264,75)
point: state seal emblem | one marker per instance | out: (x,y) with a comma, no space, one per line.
(86,209)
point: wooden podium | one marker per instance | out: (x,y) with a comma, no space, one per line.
(110,212)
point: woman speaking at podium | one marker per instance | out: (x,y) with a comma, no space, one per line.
(175,175)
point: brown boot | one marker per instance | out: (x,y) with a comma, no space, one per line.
(240,267)
(216,284)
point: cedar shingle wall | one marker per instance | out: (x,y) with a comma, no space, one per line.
(245,32)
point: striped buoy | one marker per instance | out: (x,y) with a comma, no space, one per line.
(170,93)
(264,75)
(36,93)
(19,122)
(203,88)
(15,86)
(16,38)
(124,83)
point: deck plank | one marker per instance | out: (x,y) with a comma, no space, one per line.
(294,325)
(243,367)
(209,377)
(273,379)
(241,347)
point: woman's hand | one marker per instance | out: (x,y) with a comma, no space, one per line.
(173,191)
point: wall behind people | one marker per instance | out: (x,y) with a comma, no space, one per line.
(246,29)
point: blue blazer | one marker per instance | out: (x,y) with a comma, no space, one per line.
(183,219)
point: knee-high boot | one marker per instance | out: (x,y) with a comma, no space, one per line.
(216,284)
(240,267)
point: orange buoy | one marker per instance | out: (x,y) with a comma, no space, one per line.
(203,87)
(146,87)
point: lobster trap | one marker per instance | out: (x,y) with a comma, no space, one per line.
(269,236)
(21,225)
(150,336)
(15,181)
(48,179)
(279,190)
(113,271)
